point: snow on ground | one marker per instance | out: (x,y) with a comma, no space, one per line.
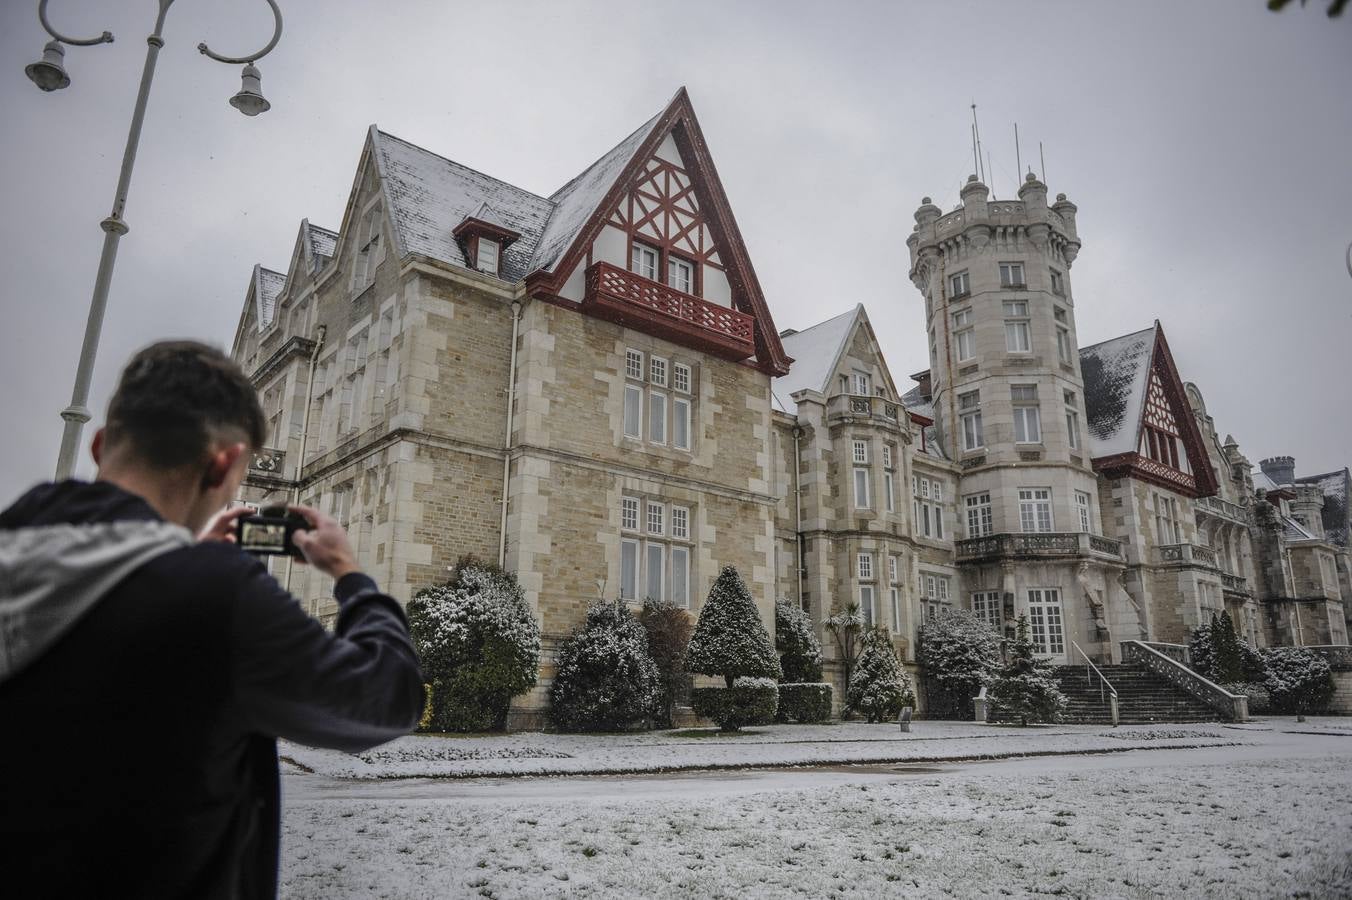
(535,753)
(1264,826)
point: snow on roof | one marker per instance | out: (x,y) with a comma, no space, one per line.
(429,195)
(1116,373)
(323,242)
(1336,516)
(267,285)
(815,352)
(1294,531)
(1261,482)
(915,401)
(575,202)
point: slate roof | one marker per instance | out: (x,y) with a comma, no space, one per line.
(323,242)
(267,285)
(429,195)
(1336,516)
(816,353)
(1116,373)
(915,401)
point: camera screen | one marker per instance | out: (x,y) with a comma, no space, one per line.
(262,536)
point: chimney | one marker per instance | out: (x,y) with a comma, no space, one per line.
(1281,469)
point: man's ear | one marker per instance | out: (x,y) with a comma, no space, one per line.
(96,448)
(221,463)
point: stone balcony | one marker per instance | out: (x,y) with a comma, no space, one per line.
(1235,584)
(1044,545)
(653,308)
(862,408)
(1186,555)
(1222,509)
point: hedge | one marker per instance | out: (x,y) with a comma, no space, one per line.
(805,702)
(750,701)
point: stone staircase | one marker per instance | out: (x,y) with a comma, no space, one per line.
(1142,698)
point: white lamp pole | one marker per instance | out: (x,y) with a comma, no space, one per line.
(50,75)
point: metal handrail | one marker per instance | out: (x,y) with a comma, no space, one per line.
(1103,682)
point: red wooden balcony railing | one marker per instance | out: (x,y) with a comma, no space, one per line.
(653,308)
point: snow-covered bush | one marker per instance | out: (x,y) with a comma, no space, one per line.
(879,686)
(1298,681)
(1201,659)
(1260,701)
(606,678)
(669,627)
(1024,688)
(1216,652)
(804,703)
(730,640)
(796,640)
(957,653)
(479,646)
(750,701)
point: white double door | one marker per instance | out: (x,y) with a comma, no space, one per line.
(1046,625)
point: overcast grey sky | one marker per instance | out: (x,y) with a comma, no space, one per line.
(1207,144)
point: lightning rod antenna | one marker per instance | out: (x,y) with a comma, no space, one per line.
(1043,159)
(976,131)
(1018,155)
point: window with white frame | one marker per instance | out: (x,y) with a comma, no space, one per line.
(889,477)
(1045,626)
(893,568)
(486,256)
(1035,509)
(964,335)
(643,261)
(1167,525)
(987,607)
(959,285)
(1011,275)
(864,566)
(867,610)
(1027,414)
(681,274)
(1018,331)
(969,410)
(1072,420)
(933,594)
(859,452)
(860,383)
(895,596)
(862,495)
(927,505)
(979,522)
(1084,508)
(654,559)
(669,416)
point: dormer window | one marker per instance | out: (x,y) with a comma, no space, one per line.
(484,238)
(486,259)
(680,274)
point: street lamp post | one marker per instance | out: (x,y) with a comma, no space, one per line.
(49,74)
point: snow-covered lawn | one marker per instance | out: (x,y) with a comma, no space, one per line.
(534,753)
(1265,827)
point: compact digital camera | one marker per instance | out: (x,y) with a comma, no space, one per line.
(270,532)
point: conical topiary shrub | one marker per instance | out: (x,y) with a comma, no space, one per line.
(729,639)
(799,653)
(879,687)
(1024,688)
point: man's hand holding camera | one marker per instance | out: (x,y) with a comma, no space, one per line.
(321,541)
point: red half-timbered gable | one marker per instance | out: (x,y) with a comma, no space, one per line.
(1169,449)
(662,254)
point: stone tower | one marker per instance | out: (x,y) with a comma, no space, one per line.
(1009,402)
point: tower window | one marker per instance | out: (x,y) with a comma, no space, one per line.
(958,285)
(1011,275)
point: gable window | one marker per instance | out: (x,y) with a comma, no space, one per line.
(978,514)
(958,285)
(964,335)
(1018,334)
(1011,275)
(969,409)
(370,250)
(680,274)
(486,259)
(643,261)
(1035,509)
(861,381)
(1027,418)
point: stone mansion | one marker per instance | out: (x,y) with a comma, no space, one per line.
(589,387)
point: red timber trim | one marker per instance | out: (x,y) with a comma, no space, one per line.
(472,230)
(1193,442)
(1134,465)
(679,120)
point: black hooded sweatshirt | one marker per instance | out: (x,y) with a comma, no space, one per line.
(144,679)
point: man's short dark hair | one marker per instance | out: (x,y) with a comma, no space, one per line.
(175,398)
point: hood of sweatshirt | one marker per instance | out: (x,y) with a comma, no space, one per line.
(63,547)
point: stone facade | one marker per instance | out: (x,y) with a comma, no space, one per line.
(589,389)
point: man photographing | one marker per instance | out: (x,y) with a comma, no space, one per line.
(147,664)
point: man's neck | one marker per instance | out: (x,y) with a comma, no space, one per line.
(172,498)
